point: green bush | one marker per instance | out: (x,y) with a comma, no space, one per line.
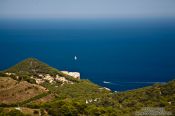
(15,113)
(35,112)
(3,74)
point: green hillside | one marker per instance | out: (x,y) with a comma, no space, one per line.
(32,66)
(78,98)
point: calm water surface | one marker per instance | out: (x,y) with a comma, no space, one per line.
(127,53)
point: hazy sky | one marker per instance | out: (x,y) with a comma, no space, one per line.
(86,8)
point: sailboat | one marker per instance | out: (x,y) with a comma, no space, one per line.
(75,58)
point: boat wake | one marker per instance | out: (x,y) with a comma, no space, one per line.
(126,83)
(106,82)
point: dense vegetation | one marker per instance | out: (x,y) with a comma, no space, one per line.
(11,113)
(86,98)
(32,66)
(72,100)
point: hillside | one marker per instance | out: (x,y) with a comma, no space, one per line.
(157,98)
(35,71)
(14,92)
(59,94)
(32,66)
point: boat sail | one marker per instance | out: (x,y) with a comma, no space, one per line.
(75,58)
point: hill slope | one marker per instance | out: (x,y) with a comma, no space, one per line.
(14,92)
(35,71)
(76,97)
(32,66)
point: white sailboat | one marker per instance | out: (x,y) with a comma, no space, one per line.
(75,58)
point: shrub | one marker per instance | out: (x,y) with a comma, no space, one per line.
(35,112)
(15,113)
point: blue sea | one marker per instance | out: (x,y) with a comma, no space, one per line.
(124,53)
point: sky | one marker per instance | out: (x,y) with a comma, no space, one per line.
(86,8)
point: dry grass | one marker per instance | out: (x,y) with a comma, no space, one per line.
(45,99)
(12,92)
(7,83)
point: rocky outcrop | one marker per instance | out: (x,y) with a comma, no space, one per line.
(76,75)
(51,79)
(39,81)
(62,79)
(41,78)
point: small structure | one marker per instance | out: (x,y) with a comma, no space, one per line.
(87,102)
(41,75)
(18,108)
(62,79)
(169,103)
(48,78)
(107,88)
(9,74)
(39,81)
(95,99)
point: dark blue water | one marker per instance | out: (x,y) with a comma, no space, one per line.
(127,53)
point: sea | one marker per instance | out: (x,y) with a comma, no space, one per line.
(120,54)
